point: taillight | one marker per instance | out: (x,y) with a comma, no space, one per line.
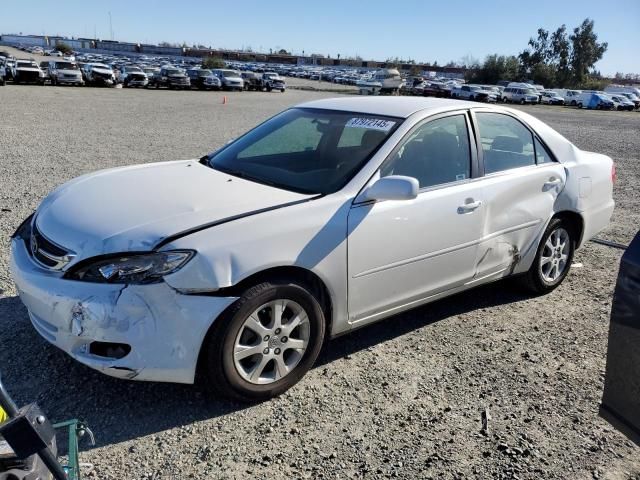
(614,176)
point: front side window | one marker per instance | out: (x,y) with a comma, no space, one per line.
(542,154)
(306,150)
(435,153)
(506,143)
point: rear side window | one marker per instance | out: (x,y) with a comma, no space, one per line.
(506,143)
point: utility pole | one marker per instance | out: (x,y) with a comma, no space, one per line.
(110,26)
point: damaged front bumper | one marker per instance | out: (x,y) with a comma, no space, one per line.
(142,332)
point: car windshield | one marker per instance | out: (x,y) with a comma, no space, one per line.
(229,73)
(174,72)
(66,66)
(204,73)
(26,65)
(306,150)
(531,91)
(100,65)
(134,69)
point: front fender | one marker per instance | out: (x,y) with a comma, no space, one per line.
(310,235)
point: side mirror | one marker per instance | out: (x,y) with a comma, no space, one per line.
(394,187)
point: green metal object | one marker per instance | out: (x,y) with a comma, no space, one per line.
(75,429)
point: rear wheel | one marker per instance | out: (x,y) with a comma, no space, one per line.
(265,342)
(553,258)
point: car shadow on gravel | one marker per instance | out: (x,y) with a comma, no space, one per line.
(117,410)
(491,295)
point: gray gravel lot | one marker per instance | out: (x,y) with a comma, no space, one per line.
(402,398)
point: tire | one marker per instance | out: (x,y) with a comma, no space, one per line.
(573,103)
(231,377)
(522,102)
(580,105)
(541,279)
(472,98)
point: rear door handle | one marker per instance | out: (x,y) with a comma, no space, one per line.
(469,206)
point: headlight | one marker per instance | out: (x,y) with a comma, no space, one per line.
(138,268)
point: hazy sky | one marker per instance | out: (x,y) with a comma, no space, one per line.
(417,29)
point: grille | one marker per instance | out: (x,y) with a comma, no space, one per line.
(28,75)
(46,252)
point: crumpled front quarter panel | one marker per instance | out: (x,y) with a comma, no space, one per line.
(310,235)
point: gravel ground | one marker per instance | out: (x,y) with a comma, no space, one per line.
(403,398)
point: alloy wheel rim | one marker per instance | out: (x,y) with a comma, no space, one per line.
(271,342)
(555,255)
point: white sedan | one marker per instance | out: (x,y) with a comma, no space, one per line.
(329,216)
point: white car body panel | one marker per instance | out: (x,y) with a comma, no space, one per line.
(153,202)
(375,258)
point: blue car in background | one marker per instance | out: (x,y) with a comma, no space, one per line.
(594,101)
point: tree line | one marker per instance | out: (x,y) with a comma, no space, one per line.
(553,59)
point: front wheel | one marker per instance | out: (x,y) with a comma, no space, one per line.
(553,258)
(265,342)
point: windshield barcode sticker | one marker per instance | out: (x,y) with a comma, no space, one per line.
(371,123)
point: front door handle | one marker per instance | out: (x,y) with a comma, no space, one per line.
(552,182)
(469,206)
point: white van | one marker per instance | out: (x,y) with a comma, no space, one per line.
(623,89)
(571,97)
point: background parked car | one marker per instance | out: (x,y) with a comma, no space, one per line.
(474,93)
(251,80)
(272,81)
(594,101)
(27,71)
(633,97)
(620,102)
(203,79)
(520,95)
(132,76)
(61,72)
(230,79)
(171,77)
(571,97)
(98,74)
(549,97)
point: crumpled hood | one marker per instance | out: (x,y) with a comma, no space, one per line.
(134,208)
(103,71)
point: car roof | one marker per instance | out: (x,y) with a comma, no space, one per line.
(401,107)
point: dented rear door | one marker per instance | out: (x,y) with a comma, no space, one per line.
(521,182)
(519,204)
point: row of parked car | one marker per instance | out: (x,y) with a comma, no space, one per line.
(614,97)
(66,71)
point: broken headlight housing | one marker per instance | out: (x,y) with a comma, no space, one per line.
(131,268)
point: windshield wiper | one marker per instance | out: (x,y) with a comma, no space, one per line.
(245,176)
